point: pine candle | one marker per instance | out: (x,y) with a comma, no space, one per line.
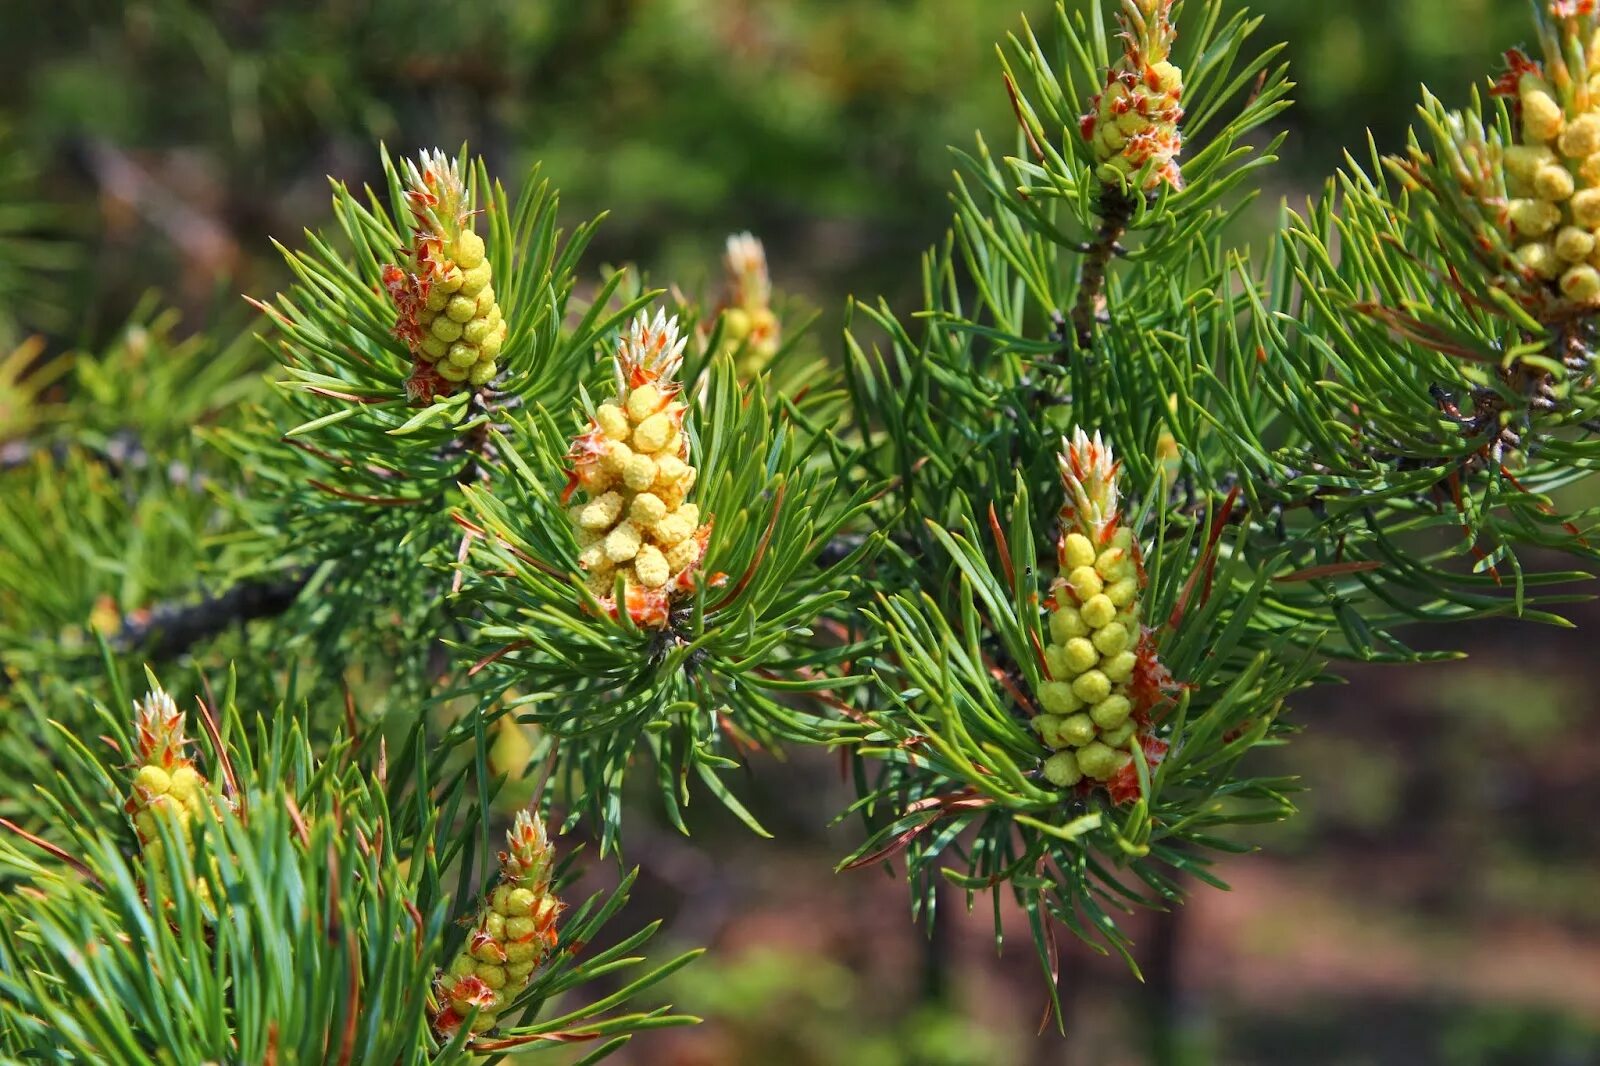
(1103,675)
(635,523)
(447,312)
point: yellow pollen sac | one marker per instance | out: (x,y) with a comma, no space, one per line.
(1068,622)
(1061,769)
(1586,208)
(1111,712)
(613,422)
(1542,118)
(1534,218)
(469,250)
(623,543)
(1119,667)
(650,435)
(1048,726)
(154,779)
(1111,639)
(185,783)
(520,903)
(1122,593)
(1120,736)
(1092,686)
(1523,161)
(640,472)
(1080,655)
(1100,761)
(1085,582)
(1057,698)
(1077,551)
(446,329)
(1581,284)
(652,567)
(1581,138)
(1574,244)
(684,554)
(643,402)
(616,457)
(1541,259)
(473,281)
(601,513)
(670,470)
(1112,564)
(1098,611)
(1554,183)
(647,509)
(675,528)
(1077,730)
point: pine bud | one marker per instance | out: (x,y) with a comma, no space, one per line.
(446,310)
(1134,121)
(513,933)
(166,785)
(632,465)
(1101,663)
(749,327)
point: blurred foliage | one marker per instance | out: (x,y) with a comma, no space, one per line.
(787,1007)
(201,127)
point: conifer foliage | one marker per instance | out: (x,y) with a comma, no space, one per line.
(1045,558)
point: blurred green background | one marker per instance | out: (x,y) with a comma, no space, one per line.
(1437,902)
(173,137)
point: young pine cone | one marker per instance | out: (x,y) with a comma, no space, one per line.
(748,324)
(1104,678)
(1134,120)
(635,521)
(166,784)
(1552,170)
(447,313)
(514,931)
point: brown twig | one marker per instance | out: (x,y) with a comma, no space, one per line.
(1116,209)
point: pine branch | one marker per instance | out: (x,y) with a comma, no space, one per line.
(1116,210)
(168,630)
